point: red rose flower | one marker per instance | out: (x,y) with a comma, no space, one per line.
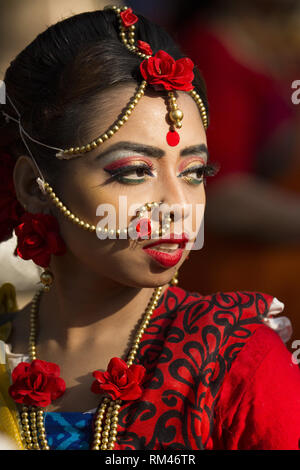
(36,383)
(128,18)
(143,227)
(165,73)
(119,381)
(38,238)
(144,47)
(10,208)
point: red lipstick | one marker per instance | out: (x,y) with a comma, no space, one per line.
(167,259)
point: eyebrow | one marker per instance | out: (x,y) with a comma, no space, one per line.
(151,151)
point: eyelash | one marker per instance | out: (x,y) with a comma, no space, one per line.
(209,169)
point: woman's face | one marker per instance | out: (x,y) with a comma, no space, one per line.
(89,182)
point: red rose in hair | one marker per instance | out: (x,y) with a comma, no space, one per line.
(119,381)
(165,73)
(10,208)
(39,238)
(36,383)
(144,47)
(128,18)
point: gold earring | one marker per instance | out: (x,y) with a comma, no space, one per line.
(174,280)
(47,279)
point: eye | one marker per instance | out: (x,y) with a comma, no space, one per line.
(200,173)
(197,173)
(131,174)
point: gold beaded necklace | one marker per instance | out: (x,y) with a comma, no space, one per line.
(105,434)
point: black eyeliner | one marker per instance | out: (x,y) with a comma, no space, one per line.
(126,169)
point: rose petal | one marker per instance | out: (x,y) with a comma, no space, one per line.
(116,363)
(110,389)
(21,369)
(36,383)
(144,47)
(38,399)
(120,379)
(98,375)
(56,387)
(55,244)
(163,72)
(136,373)
(42,259)
(131,392)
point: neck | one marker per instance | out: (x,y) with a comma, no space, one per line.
(85,306)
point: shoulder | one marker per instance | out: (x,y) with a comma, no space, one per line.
(255,392)
(225,321)
(237,305)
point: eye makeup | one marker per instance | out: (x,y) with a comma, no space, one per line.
(186,161)
(198,170)
(136,169)
(135,166)
(125,161)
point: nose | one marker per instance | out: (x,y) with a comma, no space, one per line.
(175,204)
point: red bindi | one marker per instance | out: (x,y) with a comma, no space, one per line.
(173,138)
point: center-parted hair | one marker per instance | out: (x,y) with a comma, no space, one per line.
(54,81)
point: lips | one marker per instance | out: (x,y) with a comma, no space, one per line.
(163,258)
(173,238)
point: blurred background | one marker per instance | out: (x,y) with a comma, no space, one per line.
(249,55)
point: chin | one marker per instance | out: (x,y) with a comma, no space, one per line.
(147,279)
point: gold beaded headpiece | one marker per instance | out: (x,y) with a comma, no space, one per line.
(160,71)
(178,76)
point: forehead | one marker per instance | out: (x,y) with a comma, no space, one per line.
(149,122)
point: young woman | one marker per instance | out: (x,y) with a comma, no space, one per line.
(111,353)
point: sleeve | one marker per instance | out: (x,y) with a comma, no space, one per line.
(259,402)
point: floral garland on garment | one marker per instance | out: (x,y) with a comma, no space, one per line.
(39,383)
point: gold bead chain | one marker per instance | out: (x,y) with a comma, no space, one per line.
(175,114)
(91,228)
(201,107)
(105,434)
(127,36)
(77,151)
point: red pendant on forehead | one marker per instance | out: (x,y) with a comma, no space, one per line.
(173,138)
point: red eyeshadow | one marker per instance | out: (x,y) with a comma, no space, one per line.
(126,161)
(186,161)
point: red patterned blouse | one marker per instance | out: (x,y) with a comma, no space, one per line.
(217,377)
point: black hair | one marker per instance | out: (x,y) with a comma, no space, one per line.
(55,79)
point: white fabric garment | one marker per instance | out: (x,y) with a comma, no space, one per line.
(282,325)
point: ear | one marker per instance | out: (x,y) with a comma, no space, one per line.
(27,189)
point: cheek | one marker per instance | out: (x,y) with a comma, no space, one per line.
(198,201)
(117,260)
(85,191)
(85,245)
